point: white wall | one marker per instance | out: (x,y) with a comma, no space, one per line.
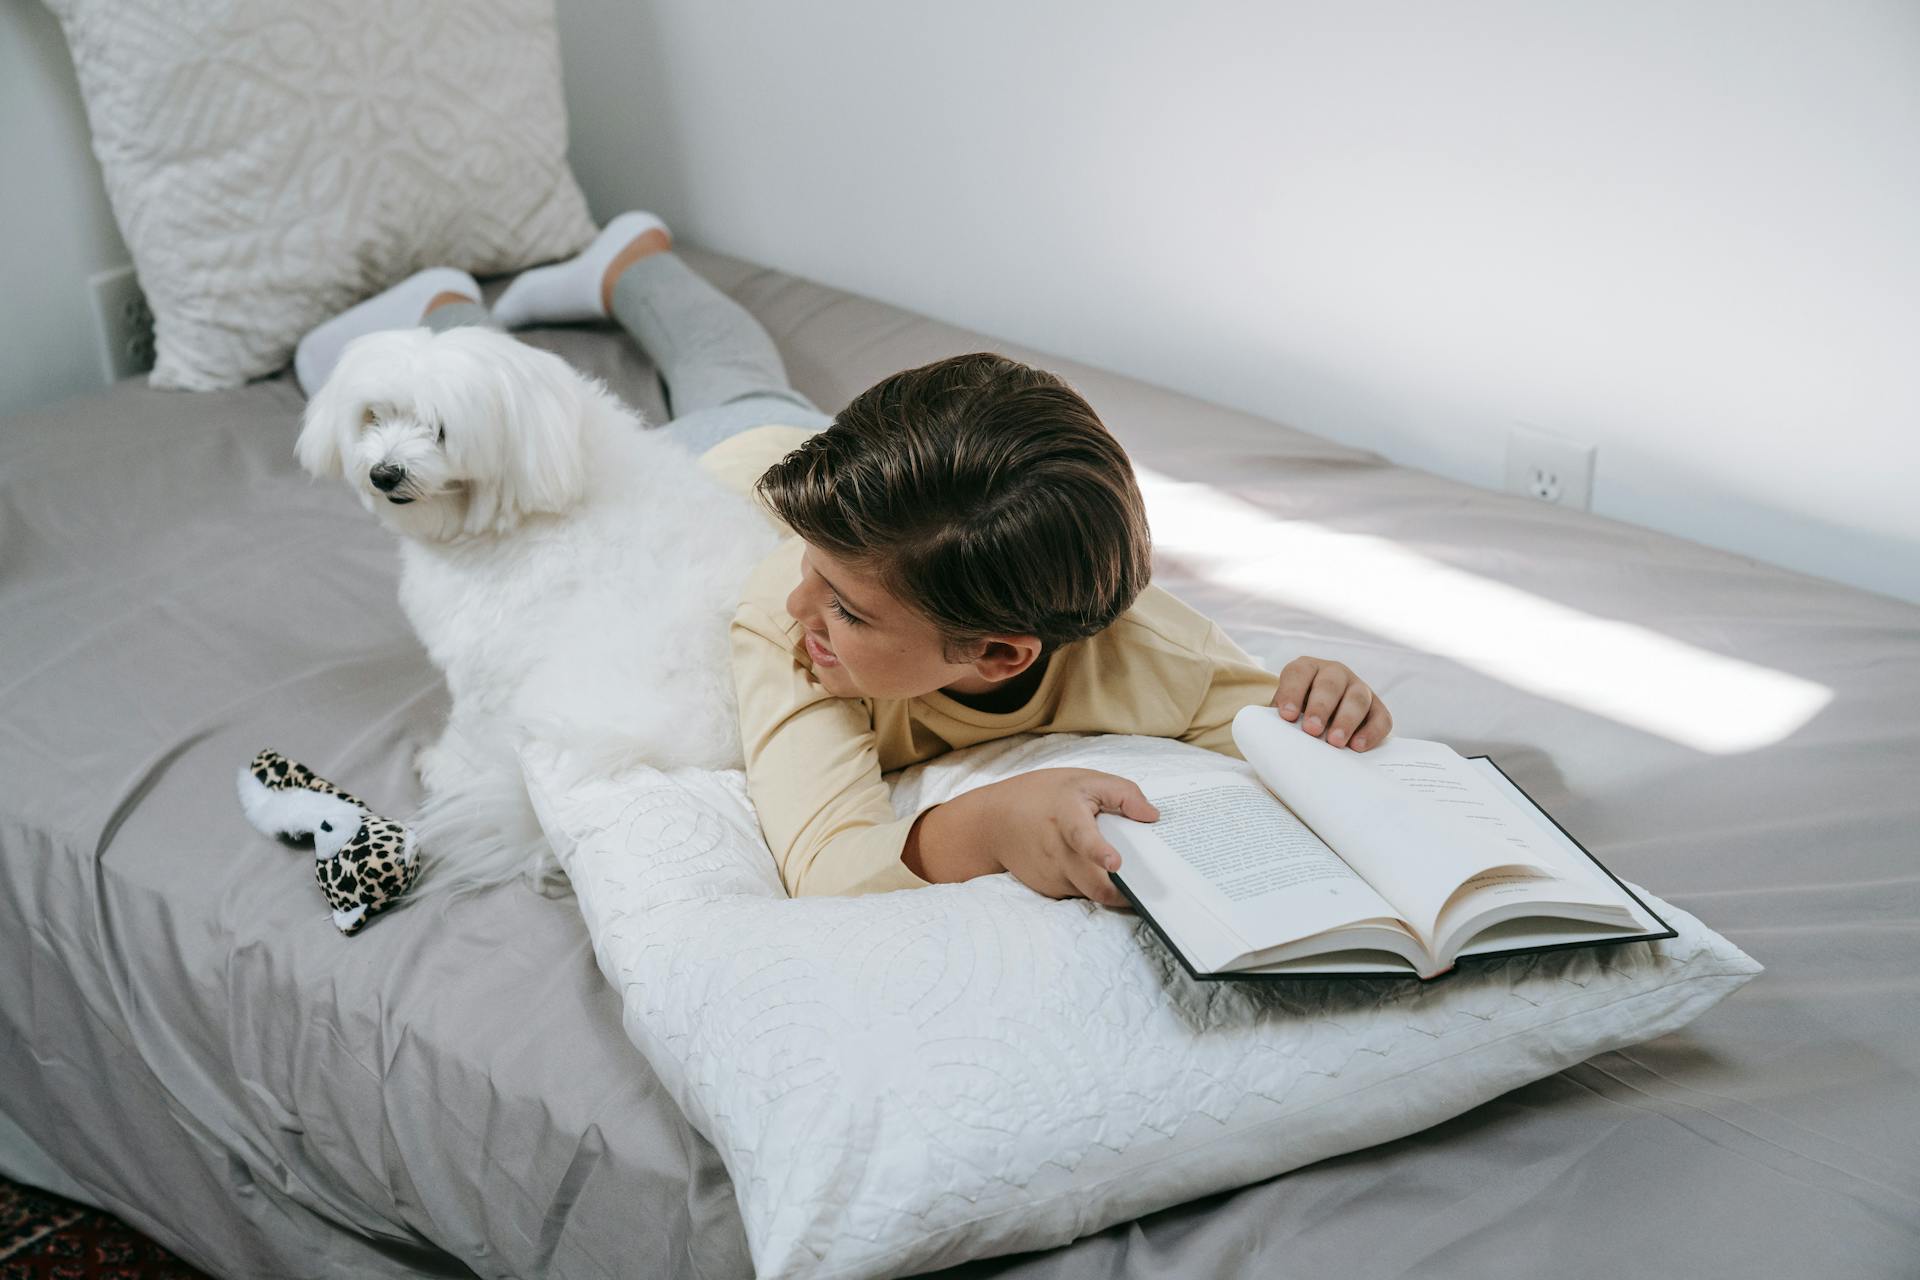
(1688,233)
(55,226)
(1683,232)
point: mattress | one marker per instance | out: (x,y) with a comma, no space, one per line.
(187,1042)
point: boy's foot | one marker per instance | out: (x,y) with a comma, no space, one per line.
(400,307)
(581,288)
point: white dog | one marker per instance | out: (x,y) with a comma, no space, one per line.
(572,574)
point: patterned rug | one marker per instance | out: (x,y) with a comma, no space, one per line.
(43,1237)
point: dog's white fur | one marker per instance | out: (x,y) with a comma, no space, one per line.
(571,573)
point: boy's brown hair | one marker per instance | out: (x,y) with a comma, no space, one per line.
(982,492)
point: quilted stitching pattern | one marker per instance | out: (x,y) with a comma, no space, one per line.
(272,163)
(904,1081)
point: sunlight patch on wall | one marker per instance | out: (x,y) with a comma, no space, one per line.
(1625,672)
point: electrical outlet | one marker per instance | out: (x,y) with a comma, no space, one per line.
(1549,468)
(122,322)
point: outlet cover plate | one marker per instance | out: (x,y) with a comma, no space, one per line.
(1549,469)
(123,324)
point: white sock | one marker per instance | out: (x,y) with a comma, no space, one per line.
(398,308)
(569,291)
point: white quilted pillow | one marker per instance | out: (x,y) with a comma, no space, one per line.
(905,1081)
(272,162)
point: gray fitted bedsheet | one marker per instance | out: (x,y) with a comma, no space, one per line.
(186,1041)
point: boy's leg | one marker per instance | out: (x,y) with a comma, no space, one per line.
(404,306)
(702,429)
(721,370)
(710,351)
(451,311)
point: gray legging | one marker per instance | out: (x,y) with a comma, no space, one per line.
(722,373)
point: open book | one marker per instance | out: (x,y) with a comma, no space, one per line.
(1395,861)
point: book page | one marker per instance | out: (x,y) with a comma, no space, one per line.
(1224,839)
(1397,822)
(1166,893)
(1481,804)
(1455,793)
(1569,858)
(1586,903)
(1530,933)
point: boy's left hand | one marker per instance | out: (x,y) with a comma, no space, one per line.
(1331,700)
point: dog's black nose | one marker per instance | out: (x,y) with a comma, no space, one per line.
(386,477)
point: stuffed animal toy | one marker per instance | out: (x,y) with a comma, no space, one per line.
(362,861)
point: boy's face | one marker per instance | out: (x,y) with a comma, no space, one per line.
(863,642)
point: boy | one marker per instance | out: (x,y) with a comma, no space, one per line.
(971,562)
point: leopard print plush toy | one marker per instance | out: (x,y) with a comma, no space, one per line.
(362,861)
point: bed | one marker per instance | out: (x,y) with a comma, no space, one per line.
(187,1042)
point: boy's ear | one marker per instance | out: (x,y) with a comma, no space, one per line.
(1004,657)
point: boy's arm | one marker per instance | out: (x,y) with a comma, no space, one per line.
(1042,826)
(1235,681)
(814,775)
(813,772)
(1332,702)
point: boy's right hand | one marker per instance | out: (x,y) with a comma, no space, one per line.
(1040,826)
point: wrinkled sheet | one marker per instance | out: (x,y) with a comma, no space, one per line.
(186,1041)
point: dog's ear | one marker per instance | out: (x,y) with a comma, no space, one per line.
(331,423)
(551,472)
(538,446)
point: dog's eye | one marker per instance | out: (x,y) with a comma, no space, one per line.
(367,416)
(442,439)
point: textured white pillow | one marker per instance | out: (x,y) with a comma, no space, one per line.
(905,1081)
(271,162)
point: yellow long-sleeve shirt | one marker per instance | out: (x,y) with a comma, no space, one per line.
(814,761)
